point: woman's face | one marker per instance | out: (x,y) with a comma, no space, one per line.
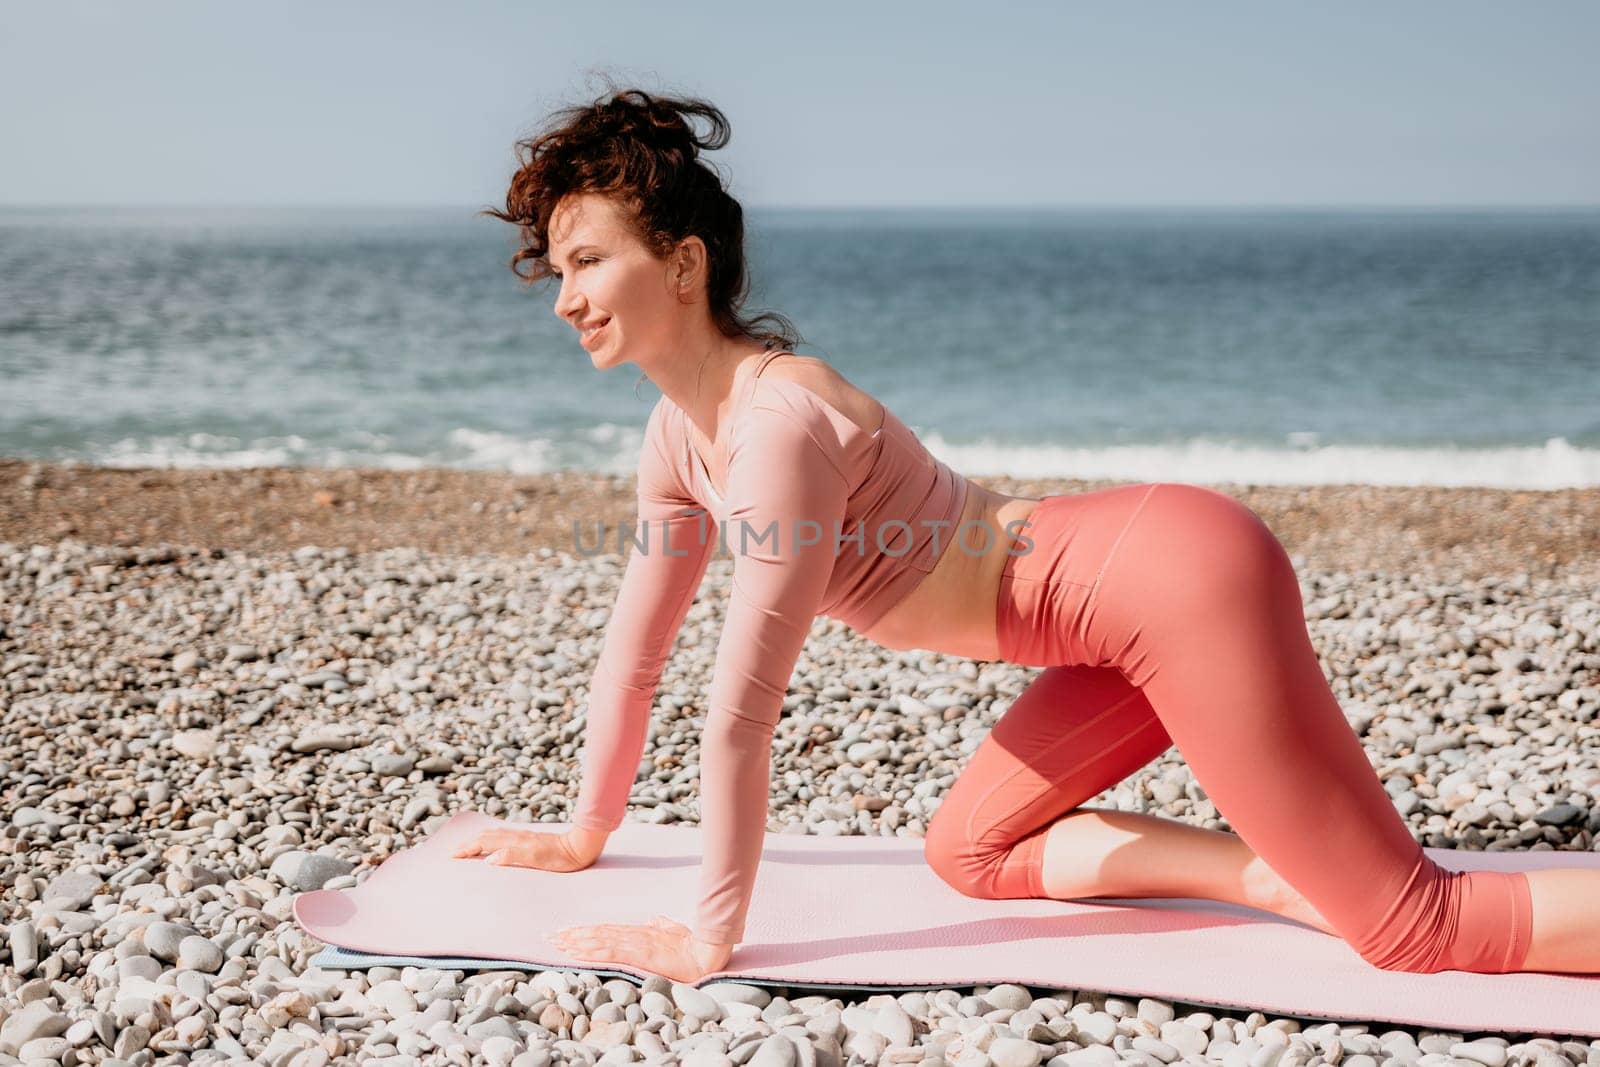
(610,279)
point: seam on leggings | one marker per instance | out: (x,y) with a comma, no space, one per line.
(1517,951)
(1082,726)
(1034,868)
(1094,592)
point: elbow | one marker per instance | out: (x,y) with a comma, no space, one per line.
(728,727)
(731,717)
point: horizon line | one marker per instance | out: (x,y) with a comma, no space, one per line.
(1061,206)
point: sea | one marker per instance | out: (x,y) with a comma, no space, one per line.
(1399,346)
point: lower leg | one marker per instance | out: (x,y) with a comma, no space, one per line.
(1091,852)
(1566,933)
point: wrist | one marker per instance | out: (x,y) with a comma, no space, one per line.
(712,955)
(588,844)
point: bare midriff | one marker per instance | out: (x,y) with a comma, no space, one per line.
(952,610)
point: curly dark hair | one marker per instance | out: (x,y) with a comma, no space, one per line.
(640,150)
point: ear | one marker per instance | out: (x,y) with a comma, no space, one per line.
(689,263)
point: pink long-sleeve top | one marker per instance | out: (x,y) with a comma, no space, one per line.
(876,508)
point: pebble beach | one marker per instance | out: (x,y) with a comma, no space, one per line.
(220,688)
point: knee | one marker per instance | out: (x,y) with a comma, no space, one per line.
(954,857)
(1419,958)
(1478,921)
(1412,939)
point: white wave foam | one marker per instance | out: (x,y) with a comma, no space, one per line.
(1554,465)
(610,448)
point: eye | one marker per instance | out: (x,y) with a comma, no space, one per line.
(581,261)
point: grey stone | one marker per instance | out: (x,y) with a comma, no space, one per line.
(776,1050)
(1488,1053)
(24,941)
(1014,1052)
(30,1023)
(1009,995)
(392,765)
(163,939)
(197,953)
(307,871)
(737,993)
(72,890)
(692,1001)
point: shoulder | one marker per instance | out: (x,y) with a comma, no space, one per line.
(774,427)
(661,459)
(842,418)
(661,429)
(661,421)
(806,370)
(824,382)
(778,439)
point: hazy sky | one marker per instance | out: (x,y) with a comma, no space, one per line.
(861,103)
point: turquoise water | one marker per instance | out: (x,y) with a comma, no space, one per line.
(1397,346)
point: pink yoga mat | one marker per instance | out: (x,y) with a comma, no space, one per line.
(869,911)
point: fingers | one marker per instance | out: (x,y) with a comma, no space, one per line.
(649,948)
(543,851)
(476,846)
(595,954)
(485,842)
(591,938)
(585,943)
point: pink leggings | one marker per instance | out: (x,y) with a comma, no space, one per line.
(1168,614)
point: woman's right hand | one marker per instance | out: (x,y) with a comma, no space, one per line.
(539,849)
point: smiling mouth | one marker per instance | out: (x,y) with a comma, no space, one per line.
(591,331)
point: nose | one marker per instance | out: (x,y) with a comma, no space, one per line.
(567,305)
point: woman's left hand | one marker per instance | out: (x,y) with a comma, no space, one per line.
(662,947)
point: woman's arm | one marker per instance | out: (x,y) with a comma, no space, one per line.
(587,845)
(663,573)
(783,488)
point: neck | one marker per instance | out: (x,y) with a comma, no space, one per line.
(700,378)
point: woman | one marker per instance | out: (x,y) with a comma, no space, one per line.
(1162,613)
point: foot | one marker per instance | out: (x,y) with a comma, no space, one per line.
(1265,890)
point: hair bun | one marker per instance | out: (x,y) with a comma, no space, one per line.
(663,124)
